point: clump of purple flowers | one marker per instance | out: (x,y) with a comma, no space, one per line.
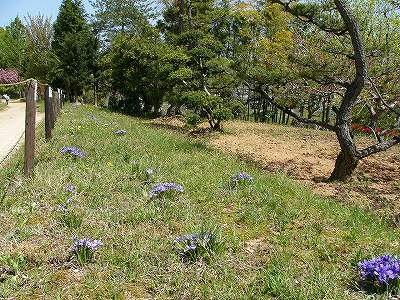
(380,272)
(120,132)
(167,188)
(70,188)
(73,151)
(195,245)
(242,177)
(84,249)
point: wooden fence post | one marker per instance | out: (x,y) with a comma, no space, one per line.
(30,127)
(54,108)
(48,113)
(61,99)
(58,102)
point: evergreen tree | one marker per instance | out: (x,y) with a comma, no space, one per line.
(75,46)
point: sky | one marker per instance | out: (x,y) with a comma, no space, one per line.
(9,9)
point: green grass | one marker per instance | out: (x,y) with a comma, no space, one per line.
(279,240)
(3,106)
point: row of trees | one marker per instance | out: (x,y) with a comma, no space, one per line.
(339,58)
(62,54)
(325,63)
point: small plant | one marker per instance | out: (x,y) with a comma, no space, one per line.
(380,274)
(14,262)
(120,132)
(148,174)
(167,189)
(73,151)
(71,189)
(193,120)
(241,178)
(71,219)
(84,249)
(203,244)
(135,165)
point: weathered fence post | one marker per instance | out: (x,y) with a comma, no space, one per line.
(54,108)
(30,127)
(58,102)
(61,99)
(48,113)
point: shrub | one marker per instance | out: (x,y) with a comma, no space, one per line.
(222,114)
(8,76)
(201,245)
(193,119)
(84,249)
(210,106)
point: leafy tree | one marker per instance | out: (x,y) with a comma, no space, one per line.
(40,59)
(13,46)
(137,73)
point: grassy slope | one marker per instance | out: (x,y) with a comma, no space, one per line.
(281,241)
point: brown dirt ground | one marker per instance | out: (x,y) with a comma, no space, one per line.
(308,155)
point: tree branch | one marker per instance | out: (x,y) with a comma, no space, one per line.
(310,19)
(290,112)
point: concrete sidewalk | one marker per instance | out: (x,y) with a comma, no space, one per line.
(12,126)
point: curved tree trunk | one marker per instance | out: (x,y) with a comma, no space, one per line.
(348,158)
(344,167)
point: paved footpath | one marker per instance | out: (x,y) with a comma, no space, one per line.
(12,126)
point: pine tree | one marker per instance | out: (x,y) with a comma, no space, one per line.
(75,47)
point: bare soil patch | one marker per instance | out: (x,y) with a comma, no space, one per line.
(308,155)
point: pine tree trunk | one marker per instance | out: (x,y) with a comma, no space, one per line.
(345,165)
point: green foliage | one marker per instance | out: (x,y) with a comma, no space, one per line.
(237,108)
(209,106)
(40,59)
(199,100)
(13,45)
(222,114)
(74,46)
(16,262)
(181,74)
(115,16)
(73,220)
(192,119)
(138,73)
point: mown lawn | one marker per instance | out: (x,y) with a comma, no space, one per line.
(280,241)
